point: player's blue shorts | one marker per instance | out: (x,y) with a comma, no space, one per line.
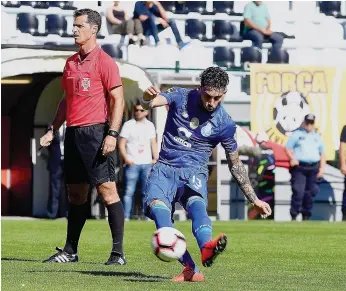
(170,185)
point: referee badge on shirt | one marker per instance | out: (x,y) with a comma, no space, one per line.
(194,123)
(86,84)
(206,130)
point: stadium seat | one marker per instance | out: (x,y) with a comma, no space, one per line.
(222,29)
(251,55)
(66,5)
(278,56)
(56,24)
(169,5)
(196,6)
(331,8)
(36,4)
(224,56)
(27,23)
(180,7)
(10,3)
(223,7)
(112,50)
(195,29)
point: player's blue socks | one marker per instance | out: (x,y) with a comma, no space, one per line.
(201,223)
(186,260)
(161,214)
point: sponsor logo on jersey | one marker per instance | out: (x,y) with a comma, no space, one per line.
(184,136)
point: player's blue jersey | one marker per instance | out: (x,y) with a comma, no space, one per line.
(191,132)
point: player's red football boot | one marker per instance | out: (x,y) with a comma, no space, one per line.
(212,249)
(190,275)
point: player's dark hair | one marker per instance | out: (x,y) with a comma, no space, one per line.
(214,78)
(94,18)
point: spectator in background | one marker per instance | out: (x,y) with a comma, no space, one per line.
(342,157)
(257,25)
(121,24)
(138,149)
(150,11)
(56,174)
(307,159)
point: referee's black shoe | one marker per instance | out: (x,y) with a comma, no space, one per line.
(116,259)
(62,257)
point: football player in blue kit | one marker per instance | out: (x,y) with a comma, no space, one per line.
(196,123)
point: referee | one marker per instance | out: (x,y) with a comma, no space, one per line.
(92,106)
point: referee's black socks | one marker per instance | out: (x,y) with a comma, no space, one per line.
(116,224)
(77,216)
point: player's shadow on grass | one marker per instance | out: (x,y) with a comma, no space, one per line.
(138,276)
(129,276)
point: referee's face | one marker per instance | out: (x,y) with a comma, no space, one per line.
(82,30)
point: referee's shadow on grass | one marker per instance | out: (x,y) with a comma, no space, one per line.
(31,260)
(19,260)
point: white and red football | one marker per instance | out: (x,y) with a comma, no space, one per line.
(168,244)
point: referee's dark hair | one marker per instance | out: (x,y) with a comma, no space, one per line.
(94,18)
(214,78)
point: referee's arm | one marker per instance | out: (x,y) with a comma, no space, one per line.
(117,105)
(60,115)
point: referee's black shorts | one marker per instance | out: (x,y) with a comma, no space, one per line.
(83,159)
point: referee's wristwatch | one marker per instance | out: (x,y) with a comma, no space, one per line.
(113,133)
(51,128)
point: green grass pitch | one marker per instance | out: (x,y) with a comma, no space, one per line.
(261,255)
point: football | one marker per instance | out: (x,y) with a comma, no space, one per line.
(168,244)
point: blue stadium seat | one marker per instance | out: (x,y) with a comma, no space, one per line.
(15,4)
(251,55)
(112,50)
(196,6)
(331,8)
(66,5)
(222,29)
(36,4)
(224,56)
(223,7)
(169,5)
(195,29)
(180,7)
(56,24)
(27,23)
(278,56)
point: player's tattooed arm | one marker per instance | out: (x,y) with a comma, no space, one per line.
(240,174)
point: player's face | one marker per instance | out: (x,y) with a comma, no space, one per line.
(211,98)
(82,30)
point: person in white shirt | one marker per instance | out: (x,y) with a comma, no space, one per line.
(138,148)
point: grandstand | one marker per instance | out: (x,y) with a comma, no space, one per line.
(214,29)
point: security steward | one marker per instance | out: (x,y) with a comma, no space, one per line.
(92,106)
(305,149)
